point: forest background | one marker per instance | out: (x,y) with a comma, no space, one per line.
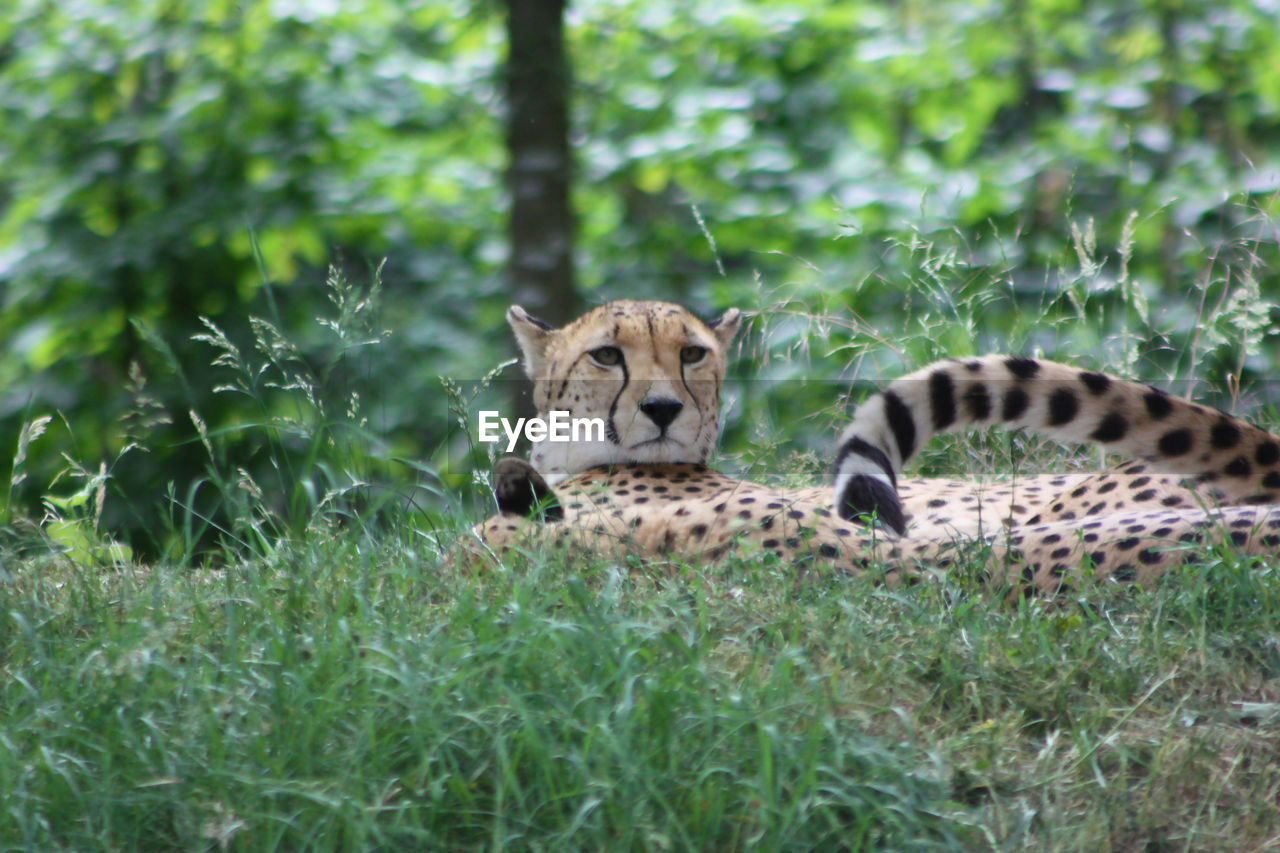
(1095,181)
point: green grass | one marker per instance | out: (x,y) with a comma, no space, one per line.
(356,695)
(302,669)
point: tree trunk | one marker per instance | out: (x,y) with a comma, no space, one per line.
(541,226)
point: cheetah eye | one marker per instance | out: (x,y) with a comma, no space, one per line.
(606,356)
(692,354)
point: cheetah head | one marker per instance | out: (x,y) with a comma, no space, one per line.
(651,371)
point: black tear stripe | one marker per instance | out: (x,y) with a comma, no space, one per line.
(902,424)
(684,380)
(868,451)
(611,431)
(653,335)
(942,399)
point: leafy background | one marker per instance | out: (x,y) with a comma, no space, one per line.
(882,182)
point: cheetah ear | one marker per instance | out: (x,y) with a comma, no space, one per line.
(726,326)
(533,336)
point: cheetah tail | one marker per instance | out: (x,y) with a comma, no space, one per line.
(1061,402)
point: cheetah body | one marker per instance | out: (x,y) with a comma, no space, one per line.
(653,371)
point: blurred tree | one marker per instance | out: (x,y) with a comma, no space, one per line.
(541,223)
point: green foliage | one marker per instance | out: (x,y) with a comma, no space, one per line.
(312,429)
(148,144)
(781,120)
(882,184)
(73,523)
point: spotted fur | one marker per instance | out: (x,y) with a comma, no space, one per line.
(1197,476)
(1239,460)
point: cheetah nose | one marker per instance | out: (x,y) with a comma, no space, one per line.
(662,411)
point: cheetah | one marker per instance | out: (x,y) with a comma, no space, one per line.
(653,372)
